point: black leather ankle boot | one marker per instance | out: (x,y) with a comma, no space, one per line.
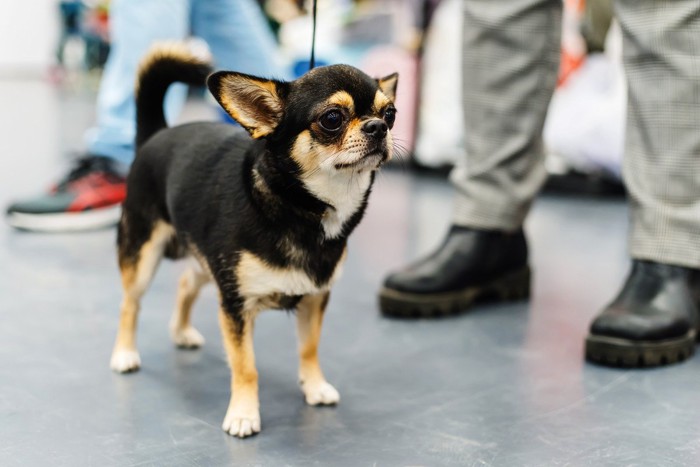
(653,321)
(470,264)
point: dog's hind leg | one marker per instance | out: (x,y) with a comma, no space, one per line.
(317,391)
(243,415)
(183,334)
(138,260)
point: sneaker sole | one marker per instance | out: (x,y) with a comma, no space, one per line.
(625,353)
(514,286)
(66,222)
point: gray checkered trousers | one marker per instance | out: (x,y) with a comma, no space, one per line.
(511,57)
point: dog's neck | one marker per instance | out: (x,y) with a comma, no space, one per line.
(278,192)
(335,201)
(345,192)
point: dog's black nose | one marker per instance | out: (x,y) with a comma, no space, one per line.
(375,128)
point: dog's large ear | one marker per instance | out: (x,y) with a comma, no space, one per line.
(388,85)
(255,103)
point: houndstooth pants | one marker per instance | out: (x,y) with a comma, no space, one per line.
(511,57)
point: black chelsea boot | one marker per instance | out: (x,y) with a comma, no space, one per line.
(653,321)
(470,264)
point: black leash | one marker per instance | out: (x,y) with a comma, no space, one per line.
(312,61)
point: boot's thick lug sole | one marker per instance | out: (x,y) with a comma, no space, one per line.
(511,287)
(626,353)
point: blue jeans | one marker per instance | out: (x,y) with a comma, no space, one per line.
(235,31)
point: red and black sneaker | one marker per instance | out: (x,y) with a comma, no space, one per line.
(89,197)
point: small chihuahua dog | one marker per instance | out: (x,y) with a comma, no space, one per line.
(266,218)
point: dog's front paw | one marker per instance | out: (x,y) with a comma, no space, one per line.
(241,425)
(125,361)
(320,393)
(187,338)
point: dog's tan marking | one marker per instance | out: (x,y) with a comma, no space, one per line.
(183,334)
(305,154)
(314,157)
(136,276)
(260,184)
(243,415)
(313,384)
(342,99)
(380,101)
(292,251)
(257,278)
(354,129)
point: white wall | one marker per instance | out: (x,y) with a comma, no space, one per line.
(28,35)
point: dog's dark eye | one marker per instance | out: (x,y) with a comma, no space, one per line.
(331,120)
(390,116)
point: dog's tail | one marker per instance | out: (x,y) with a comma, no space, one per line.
(162,66)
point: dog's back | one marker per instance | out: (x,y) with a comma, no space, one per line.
(176,166)
(181,166)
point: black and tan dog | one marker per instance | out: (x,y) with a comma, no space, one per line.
(267,219)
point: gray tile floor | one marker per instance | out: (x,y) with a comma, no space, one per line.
(501,385)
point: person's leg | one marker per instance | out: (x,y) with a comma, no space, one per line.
(238,35)
(89,196)
(654,319)
(135,26)
(511,56)
(662,150)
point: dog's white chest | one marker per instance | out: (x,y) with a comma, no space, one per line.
(345,192)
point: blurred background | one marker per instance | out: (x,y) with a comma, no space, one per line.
(66,43)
